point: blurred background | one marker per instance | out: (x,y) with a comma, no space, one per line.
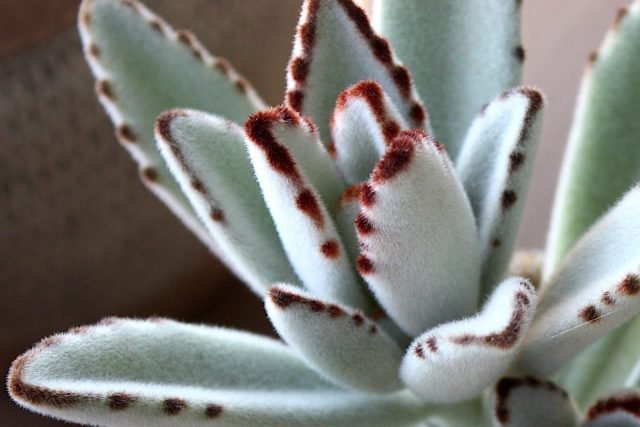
(82,239)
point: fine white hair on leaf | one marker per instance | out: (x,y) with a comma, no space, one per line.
(208,158)
(363,124)
(595,290)
(419,245)
(335,48)
(456,361)
(495,167)
(341,343)
(302,196)
(531,402)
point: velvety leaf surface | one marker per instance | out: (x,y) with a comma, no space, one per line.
(335,48)
(287,158)
(462,55)
(456,361)
(363,124)
(495,167)
(418,239)
(603,156)
(595,290)
(341,343)
(143,67)
(531,402)
(208,157)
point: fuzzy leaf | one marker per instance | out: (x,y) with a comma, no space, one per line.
(187,375)
(603,155)
(462,53)
(289,162)
(495,167)
(208,157)
(364,122)
(143,67)
(531,402)
(419,247)
(341,343)
(335,48)
(596,289)
(606,365)
(456,361)
(621,409)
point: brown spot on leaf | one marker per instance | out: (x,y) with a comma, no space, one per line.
(335,310)
(589,314)
(519,53)
(222,65)
(367,195)
(630,285)
(593,57)
(120,401)
(259,130)
(358,319)
(365,265)
(157,26)
(149,174)
(307,202)
(607,298)
(516,160)
(496,243)
(350,195)
(330,249)
(217,215)
(103,87)
(419,351)
(620,15)
(418,114)
(213,410)
(93,50)
(299,69)
(508,199)
(126,134)
(432,344)
(402,78)
(396,159)
(173,406)
(364,226)
(242,85)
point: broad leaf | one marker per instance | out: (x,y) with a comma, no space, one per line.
(595,290)
(495,167)
(208,157)
(341,343)
(286,155)
(161,373)
(144,67)
(419,244)
(335,48)
(462,53)
(456,361)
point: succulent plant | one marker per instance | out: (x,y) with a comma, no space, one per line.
(382,254)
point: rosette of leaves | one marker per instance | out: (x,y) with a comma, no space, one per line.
(381,252)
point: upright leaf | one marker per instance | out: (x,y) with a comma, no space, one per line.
(495,167)
(418,239)
(335,48)
(208,157)
(287,158)
(462,55)
(144,67)
(603,156)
